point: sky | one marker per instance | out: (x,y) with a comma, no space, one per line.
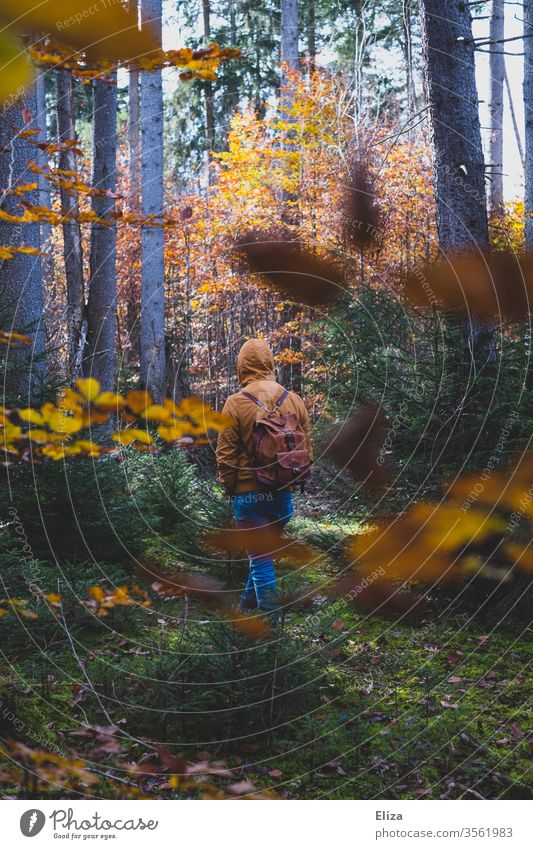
(512,166)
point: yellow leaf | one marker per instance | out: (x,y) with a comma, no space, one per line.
(53,598)
(11,432)
(38,435)
(89,387)
(112,31)
(16,69)
(173,431)
(71,400)
(138,400)
(6,337)
(156,413)
(110,401)
(55,452)
(96,593)
(29,415)
(126,437)
(58,421)
(194,407)
(92,449)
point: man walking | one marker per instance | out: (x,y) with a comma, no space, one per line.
(266,418)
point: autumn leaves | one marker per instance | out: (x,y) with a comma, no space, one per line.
(91,40)
(53,430)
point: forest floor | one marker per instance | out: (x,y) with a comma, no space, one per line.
(337,704)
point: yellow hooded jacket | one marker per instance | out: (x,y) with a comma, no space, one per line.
(255,370)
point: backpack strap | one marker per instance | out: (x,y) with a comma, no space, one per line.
(281,398)
(259,403)
(255,400)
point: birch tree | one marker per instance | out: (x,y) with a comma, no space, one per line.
(99,360)
(152,238)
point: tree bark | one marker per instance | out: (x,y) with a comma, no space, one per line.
(134,138)
(21,294)
(528,116)
(152,238)
(407,13)
(47,257)
(311,34)
(497,79)
(208,94)
(72,247)
(461,207)
(290,373)
(99,361)
(289,42)
(453,104)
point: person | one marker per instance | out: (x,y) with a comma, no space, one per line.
(253,506)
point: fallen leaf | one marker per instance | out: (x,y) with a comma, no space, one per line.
(361,213)
(287,265)
(355,447)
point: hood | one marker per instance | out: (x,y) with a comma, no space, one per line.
(255,362)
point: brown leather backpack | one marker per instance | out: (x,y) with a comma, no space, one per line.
(279,455)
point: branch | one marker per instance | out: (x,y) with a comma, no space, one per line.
(483,40)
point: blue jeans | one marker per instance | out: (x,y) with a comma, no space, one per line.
(261,509)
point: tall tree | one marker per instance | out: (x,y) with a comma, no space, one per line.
(528,116)
(497,81)
(408,58)
(289,41)
(453,104)
(21,293)
(310,32)
(44,185)
(461,207)
(291,372)
(72,245)
(208,89)
(152,237)
(134,138)
(99,359)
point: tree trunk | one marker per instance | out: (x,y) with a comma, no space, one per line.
(208,94)
(453,103)
(460,202)
(311,34)
(21,294)
(134,138)
(290,373)
(47,258)
(99,361)
(407,13)
(152,238)
(528,116)
(497,79)
(289,42)
(72,249)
